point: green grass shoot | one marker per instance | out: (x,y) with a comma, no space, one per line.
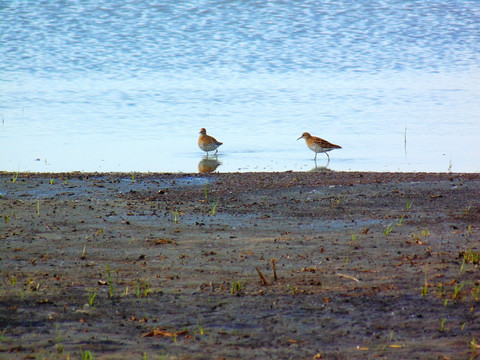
(475,291)
(205,190)
(38,207)
(408,204)
(353,239)
(237,287)
(442,324)
(293,289)
(457,289)
(389,229)
(143,289)
(471,257)
(84,252)
(201,328)
(424,288)
(92,294)
(15,177)
(473,348)
(214,207)
(87,355)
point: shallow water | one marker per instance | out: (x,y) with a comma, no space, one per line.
(91,87)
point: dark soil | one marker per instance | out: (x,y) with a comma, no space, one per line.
(179,266)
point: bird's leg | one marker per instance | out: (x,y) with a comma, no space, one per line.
(315,158)
(328,156)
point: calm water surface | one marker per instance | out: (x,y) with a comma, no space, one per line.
(126,86)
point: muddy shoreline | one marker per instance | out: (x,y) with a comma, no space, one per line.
(179,266)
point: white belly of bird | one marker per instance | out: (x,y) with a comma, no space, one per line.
(209,146)
(318,149)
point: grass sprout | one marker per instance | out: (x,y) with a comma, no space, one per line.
(471,257)
(201,329)
(205,190)
(475,291)
(87,355)
(389,229)
(237,287)
(442,324)
(143,289)
(473,348)
(424,288)
(92,294)
(457,289)
(293,289)
(467,210)
(111,290)
(353,239)
(408,204)
(214,207)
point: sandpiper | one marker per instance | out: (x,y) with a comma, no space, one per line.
(207,143)
(318,145)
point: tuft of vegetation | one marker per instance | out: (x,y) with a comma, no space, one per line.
(205,190)
(92,294)
(214,207)
(237,287)
(389,229)
(424,288)
(111,290)
(143,289)
(408,204)
(457,289)
(442,324)
(471,257)
(87,355)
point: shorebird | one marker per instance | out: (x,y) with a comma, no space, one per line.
(318,145)
(207,143)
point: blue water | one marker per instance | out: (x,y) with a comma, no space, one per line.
(126,86)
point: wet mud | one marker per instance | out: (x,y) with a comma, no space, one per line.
(240,266)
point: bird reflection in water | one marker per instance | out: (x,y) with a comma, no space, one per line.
(207,165)
(321,168)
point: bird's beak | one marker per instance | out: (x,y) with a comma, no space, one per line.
(300,137)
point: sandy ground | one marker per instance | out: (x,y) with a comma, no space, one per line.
(179,266)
